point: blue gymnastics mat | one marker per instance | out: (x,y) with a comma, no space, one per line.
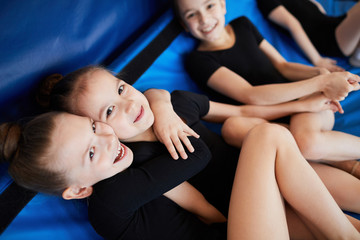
(47,217)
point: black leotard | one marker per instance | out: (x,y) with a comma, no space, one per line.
(244,58)
(130,204)
(320,28)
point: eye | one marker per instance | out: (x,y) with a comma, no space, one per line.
(93,127)
(190,15)
(211,5)
(91,152)
(109,111)
(121,89)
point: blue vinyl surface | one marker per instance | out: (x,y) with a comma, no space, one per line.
(101,32)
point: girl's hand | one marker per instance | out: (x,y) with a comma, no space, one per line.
(338,85)
(173,133)
(168,126)
(329,64)
(318,102)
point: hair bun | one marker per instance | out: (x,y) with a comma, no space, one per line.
(45,88)
(9,136)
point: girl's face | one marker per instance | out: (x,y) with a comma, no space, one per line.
(88,151)
(111,100)
(204,19)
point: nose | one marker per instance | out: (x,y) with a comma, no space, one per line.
(129,106)
(203,17)
(103,129)
(106,138)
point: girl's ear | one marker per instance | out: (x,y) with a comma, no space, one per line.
(77,193)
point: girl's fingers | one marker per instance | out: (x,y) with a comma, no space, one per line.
(171,148)
(185,140)
(179,147)
(188,130)
(337,106)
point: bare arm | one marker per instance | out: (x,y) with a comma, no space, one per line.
(334,85)
(290,70)
(168,126)
(285,19)
(234,86)
(219,112)
(189,198)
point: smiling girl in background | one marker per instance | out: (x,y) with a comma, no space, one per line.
(233,63)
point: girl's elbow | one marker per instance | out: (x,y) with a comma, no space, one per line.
(254,100)
(294,25)
(283,67)
(248,99)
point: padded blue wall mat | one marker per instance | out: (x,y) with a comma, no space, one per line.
(40,38)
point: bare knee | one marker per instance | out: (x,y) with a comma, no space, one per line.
(235,129)
(229,135)
(271,133)
(308,143)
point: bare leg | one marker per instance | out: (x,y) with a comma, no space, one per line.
(271,168)
(350,166)
(235,129)
(297,228)
(316,139)
(344,187)
(348,32)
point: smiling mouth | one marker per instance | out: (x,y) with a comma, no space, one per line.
(121,151)
(141,114)
(208,29)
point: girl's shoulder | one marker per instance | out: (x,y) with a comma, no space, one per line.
(242,26)
(242,21)
(190,106)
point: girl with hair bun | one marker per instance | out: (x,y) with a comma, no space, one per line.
(54,153)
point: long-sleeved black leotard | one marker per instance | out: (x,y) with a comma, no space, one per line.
(319,27)
(130,204)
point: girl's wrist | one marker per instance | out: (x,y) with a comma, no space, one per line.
(299,106)
(315,59)
(321,83)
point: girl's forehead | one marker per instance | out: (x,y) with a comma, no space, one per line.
(101,78)
(187,5)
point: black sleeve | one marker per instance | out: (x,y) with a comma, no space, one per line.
(190,106)
(134,187)
(266,6)
(201,66)
(249,28)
